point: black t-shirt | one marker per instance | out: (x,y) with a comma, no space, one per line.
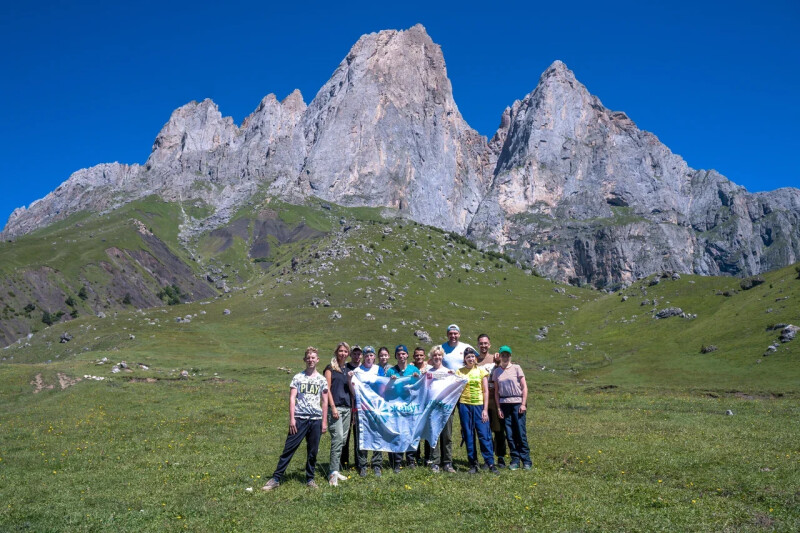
(340,387)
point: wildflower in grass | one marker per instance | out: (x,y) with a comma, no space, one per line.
(408,487)
(659,481)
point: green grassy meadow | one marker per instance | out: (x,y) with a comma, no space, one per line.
(626,419)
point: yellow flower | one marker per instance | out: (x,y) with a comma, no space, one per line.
(659,481)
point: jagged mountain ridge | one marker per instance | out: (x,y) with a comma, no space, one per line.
(571,187)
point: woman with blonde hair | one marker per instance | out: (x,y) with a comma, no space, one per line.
(339,400)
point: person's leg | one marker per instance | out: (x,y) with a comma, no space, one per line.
(484,438)
(377,459)
(292,442)
(312,447)
(498,432)
(336,429)
(524,448)
(509,410)
(352,434)
(445,443)
(466,416)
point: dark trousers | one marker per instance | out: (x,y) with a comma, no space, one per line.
(361,455)
(307,429)
(470,416)
(396,459)
(442,453)
(516,433)
(498,429)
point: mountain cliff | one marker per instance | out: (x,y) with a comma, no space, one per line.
(584,195)
(565,185)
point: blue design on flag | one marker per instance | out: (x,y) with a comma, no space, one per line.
(395,414)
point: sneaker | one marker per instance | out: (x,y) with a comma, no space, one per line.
(396,470)
(376,471)
(342,477)
(333,480)
(312,484)
(435,469)
(449,469)
(472,470)
(362,472)
(513,466)
(493,469)
(500,463)
(527,466)
(412,465)
(271,484)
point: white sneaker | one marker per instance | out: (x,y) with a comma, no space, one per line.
(333,481)
(341,477)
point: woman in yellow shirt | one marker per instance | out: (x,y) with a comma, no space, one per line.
(473,411)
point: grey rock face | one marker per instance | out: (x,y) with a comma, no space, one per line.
(565,185)
(385,131)
(585,196)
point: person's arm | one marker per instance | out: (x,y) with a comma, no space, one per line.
(524,405)
(292,399)
(497,399)
(485,413)
(329,397)
(325,410)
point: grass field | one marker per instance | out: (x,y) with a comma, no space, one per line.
(626,417)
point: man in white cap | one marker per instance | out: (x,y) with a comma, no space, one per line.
(454,348)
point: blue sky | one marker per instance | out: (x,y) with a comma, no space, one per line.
(94,82)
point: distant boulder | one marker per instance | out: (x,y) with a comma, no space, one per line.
(670,311)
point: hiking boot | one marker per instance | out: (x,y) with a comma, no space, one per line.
(493,469)
(271,484)
(435,469)
(312,484)
(513,466)
(377,471)
(333,480)
(449,469)
(362,472)
(472,470)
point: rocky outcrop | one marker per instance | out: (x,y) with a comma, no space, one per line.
(385,131)
(565,185)
(585,196)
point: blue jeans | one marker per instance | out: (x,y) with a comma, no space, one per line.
(516,433)
(470,416)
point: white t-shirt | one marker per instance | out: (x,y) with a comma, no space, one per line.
(454,356)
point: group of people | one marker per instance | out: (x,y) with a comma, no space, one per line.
(492,407)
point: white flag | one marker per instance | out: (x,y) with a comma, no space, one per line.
(395,414)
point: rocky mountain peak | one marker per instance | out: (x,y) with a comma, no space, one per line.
(385,131)
(194,127)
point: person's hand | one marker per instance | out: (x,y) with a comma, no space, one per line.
(393,376)
(335,413)
(292,426)
(350,374)
(484,416)
(415,375)
(500,414)
(497,358)
(522,408)
(324,427)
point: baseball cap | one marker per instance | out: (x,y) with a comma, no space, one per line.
(355,347)
(400,347)
(368,349)
(453,327)
(506,349)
